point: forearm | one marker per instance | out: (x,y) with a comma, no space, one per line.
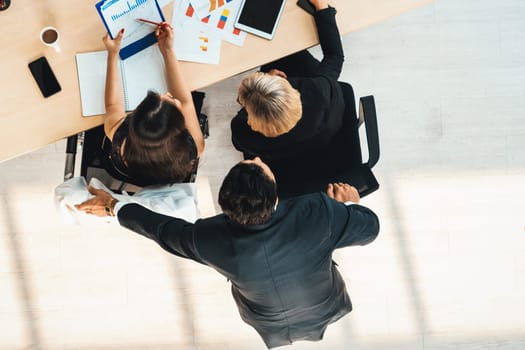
(176,83)
(350,224)
(178,88)
(172,234)
(141,220)
(113,97)
(330,41)
(113,94)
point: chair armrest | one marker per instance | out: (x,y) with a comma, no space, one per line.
(71,152)
(367,112)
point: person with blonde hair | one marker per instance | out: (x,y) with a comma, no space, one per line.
(295,103)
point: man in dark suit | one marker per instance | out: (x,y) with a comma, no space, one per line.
(276,254)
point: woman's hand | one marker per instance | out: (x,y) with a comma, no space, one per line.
(97,205)
(319,4)
(164,35)
(276,72)
(113,45)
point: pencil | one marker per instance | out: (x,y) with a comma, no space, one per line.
(148,21)
(158,24)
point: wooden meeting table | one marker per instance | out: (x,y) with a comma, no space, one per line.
(29,121)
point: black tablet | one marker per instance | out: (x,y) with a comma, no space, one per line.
(260,17)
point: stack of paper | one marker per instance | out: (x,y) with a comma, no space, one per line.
(200,25)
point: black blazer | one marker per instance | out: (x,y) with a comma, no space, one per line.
(321,98)
(282,276)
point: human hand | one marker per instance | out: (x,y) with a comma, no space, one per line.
(319,4)
(113,45)
(96,205)
(164,35)
(278,73)
(342,192)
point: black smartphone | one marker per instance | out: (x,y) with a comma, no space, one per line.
(307,6)
(44,76)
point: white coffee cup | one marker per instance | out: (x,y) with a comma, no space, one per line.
(49,36)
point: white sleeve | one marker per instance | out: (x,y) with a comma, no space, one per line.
(119,205)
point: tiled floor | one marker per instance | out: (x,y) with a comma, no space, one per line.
(447,272)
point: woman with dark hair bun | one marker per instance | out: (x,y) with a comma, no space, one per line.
(160,142)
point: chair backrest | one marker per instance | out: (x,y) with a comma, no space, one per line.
(94,162)
(339,161)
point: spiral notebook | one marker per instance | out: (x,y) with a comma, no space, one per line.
(139,73)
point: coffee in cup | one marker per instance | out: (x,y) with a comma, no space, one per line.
(49,36)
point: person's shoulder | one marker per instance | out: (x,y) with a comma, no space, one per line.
(316,88)
(309,209)
(240,119)
(210,225)
(239,125)
(212,234)
(245,139)
(309,200)
(319,98)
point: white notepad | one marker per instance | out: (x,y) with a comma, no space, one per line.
(139,73)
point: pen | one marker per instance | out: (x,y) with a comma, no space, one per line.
(158,24)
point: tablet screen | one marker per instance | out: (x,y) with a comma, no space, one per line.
(260,14)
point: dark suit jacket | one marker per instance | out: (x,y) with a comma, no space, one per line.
(321,98)
(282,276)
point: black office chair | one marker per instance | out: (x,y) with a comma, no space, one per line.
(339,161)
(94,164)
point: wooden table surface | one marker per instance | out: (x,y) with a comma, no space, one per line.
(28,121)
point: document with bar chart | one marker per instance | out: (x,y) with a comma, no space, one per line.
(118,14)
(195,43)
(217,16)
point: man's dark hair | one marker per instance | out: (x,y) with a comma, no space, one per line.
(159,149)
(248,195)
